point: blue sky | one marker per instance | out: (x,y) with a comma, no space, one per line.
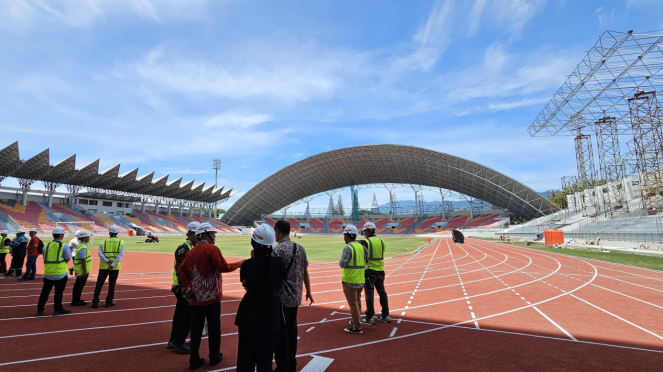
(168,85)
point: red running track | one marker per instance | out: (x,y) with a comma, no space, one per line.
(471,307)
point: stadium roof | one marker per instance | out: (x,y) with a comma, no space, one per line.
(377,164)
(38,168)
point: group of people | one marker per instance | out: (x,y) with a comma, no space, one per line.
(19,248)
(56,255)
(274,279)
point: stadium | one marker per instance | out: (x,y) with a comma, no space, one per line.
(479,269)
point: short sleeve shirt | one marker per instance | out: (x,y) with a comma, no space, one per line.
(291,291)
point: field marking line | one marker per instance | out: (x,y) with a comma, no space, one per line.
(318,364)
(393,332)
(625,295)
(555,324)
(89,293)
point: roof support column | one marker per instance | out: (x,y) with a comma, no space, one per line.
(25,185)
(142,206)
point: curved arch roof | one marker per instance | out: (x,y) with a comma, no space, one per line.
(384,164)
(38,168)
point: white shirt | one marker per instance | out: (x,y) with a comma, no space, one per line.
(73,244)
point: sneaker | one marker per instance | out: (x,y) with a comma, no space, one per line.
(61,312)
(215,361)
(354,331)
(368,321)
(110,304)
(193,367)
(40,313)
(384,319)
(180,348)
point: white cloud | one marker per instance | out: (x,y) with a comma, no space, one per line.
(512,15)
(84,13)
(234,120)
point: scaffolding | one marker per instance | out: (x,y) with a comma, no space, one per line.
(647,142)
(610,166)
(586,175)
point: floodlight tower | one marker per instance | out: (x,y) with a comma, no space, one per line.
(216,165)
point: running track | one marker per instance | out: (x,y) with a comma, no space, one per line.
(471,307)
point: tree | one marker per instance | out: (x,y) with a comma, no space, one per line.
(515,219)
(220,211)
(364,212)
(339,207)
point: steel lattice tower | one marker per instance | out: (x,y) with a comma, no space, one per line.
(586,174)
(610,166)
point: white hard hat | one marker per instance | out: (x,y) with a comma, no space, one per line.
(58,230)
(350,229)
(33,229)
(192,226)
(4,232)
(368,226)
(77,231)
(114,229)
(82,234)
(20,231)
(204,227)
(264,234)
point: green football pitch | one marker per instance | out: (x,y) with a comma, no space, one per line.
(318,248)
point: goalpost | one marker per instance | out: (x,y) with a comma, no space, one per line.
(70,228)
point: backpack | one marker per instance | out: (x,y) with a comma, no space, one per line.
(40,247)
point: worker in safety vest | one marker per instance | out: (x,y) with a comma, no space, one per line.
(353,262)
(110,254)
(82,266)
(4,249)
(182,316)
(374,275)
(56,255)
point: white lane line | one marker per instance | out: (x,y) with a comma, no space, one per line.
(476,325)
(393,332)
(342,307)
(554,323)
(323,320)
(310,329)
(318,364)
(403,313)
(399,320)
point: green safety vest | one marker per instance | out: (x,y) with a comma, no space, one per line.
(111,248)
(375,253)
(54,262)
(175,280)
(4,249)
(354,272)
(78,262)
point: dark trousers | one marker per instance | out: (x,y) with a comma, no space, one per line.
(57,297)
(198,315)
(3,263)
(286,346)
(16,265)
(78,288)
(181,319)
(255,349)
(30,267)
(375,280)
(101,279)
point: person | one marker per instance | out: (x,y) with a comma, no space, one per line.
(33,253)
(4,249)
(296,272)
(374,275)
(200,277)
(73,244)
(353,262)
(260,314)
(82,266)
(182,316)
(110,254)
(17,247)
(56,256)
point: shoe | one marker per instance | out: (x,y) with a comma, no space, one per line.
(95,305)
(31,278)
(213,362)
(180,348)
(79,303)
(354,331)
(110,304)
(170,344)
(193,367)
(61,312)
(22,279)
(367,321)
(384,319)
(71,271)
(40,313)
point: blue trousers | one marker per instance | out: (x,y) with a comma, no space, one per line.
(30,267)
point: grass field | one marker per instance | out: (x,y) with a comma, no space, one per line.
(318,248)
(649,262)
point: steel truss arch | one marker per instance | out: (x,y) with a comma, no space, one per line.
(384,164)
